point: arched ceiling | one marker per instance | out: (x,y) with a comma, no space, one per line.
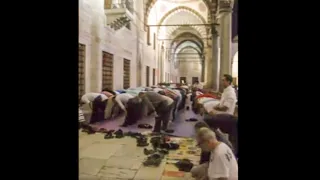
(174,17)
(187,36)
(187,43)
(188,47)
(209,5)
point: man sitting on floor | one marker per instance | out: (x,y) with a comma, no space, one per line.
(98,101)
(228,98)
(222,115)
(162,106)
(222,164)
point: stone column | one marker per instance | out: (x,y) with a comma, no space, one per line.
(225,16)
(215,59)
(208,66)
(96,56)
(202,68)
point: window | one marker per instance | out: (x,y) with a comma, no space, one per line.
(81,70)
(107,70)
(147,75)
(126,73)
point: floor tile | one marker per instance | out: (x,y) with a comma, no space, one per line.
(131,150)
(99,151)
(87,177)
(114,173)
(150,173)
(90,166)
(123,162)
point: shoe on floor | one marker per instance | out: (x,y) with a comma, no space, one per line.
(148,151)
(163,151)
(145,126)
(108,136)
(184,165)
(152,162)
(169,146)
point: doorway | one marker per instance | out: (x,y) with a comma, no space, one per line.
(183,80)
(153,76)
(194,79)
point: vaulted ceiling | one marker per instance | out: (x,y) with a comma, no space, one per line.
(210,5)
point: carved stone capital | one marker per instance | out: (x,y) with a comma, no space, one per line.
(225,6)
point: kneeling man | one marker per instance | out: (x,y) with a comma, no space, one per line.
(222,165)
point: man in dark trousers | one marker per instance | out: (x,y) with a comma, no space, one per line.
(162,106)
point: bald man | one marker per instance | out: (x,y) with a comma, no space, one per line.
(222,165)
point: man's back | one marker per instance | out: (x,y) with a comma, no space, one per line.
(154,98)
(223,163)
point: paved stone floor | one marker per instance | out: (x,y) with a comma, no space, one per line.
(119,159)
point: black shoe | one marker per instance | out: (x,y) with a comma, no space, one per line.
(108,136)
(119,132)
(153,160)
(184,165)
(169,146)
(187,108)
(169,131)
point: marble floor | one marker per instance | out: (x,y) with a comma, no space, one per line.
(119,159)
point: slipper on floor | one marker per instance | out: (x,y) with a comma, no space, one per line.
(192,119)
(169,131)
(145,126)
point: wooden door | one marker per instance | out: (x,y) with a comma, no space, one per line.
(81,70)
(126,73)
(107,70)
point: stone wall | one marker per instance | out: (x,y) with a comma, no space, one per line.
(124,43)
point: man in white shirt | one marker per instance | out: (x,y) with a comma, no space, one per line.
(228,98)
(223,164)
(121,100)
(99,102)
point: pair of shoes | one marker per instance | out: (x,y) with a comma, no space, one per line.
(109,134)
(153,160)
(184,165)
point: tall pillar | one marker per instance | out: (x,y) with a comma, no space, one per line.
(225,14)
(202,68)
(215,58)
(96,56)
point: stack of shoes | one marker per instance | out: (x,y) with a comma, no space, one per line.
(184,165)
(148,151)
(142,141)
(156,141)
(153,160)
